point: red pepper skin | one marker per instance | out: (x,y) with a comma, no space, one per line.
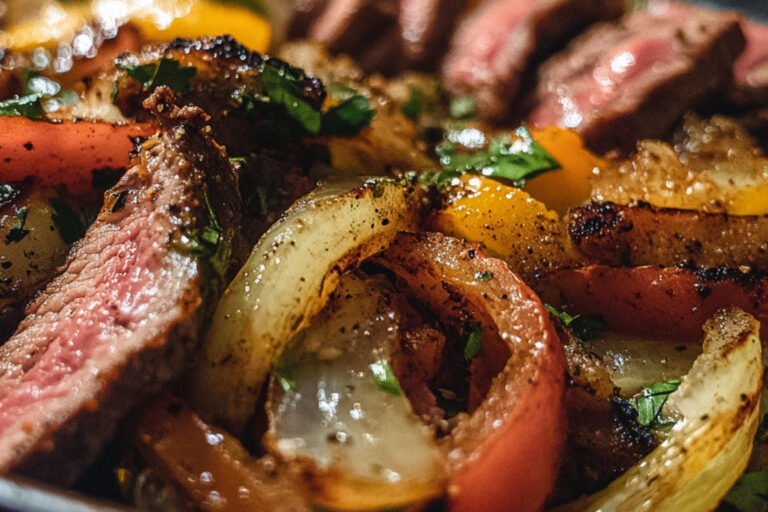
(506,455)
(65,152)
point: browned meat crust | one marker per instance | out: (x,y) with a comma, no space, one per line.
(121,318)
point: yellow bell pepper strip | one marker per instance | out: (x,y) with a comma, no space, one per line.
(508,222)
(570,185)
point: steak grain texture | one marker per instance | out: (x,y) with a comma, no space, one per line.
(121,317)
(495,51)
(632,80)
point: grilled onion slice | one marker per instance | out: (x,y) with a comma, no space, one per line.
(285,282)
(338,415)
(709,446)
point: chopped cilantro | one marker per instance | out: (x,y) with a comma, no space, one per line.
(415,103)
(285,371)
(502,159)
(27,106)
(237,159)
(340,91)
(348,117)
(750,493)
(283,85)
(485,275)
(284,108)
(6,193)
(119,201)
(208,243)
(17,232)
(385,378)
(474,346)
(650,402)
(583,328)
(164,72)
(69,223)
(463,107)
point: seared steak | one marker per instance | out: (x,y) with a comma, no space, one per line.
(384,37)
(227,81)
(751,70)
(494,51)
(119,320)
(632,80)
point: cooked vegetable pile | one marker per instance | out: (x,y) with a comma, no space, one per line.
(514,257)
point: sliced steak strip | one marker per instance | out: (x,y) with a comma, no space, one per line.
(119,320)
(632,80)
(751,70)
(494,50)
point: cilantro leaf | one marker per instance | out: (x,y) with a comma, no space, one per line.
(501,159)
(340,91)
(583,328)
(415,103)
(385,378)
(17,232)
(208,242)
(70,224)
(650,402)
(348,117)
(283,86)
(463,107)
(27,106)
(285,371)
(474,346)
(164,72)
(6,193)
(485,275)
(750,493)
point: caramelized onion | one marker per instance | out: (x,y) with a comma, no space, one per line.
(709,446)
(285,282)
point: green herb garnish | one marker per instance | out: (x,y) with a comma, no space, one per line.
(119,201)
(348,117)
(485,275)
(164,72)
(583,328)
(208,242)
(285,371)
(385,378)
(27,106)
(474,346)
(69,223)
(237,159)
(750,493)
(463,108)
(340,91)
(502,159)
(650,402)
(415,103)
(6,193)
(283,86)
(17,232)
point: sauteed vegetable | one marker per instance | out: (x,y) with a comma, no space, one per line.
(360,256)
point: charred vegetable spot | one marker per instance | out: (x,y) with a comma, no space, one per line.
(596,219)
(6,265)
(224,47)
(746,276)
(703,290)
(632,432)
(28,146)
(17,232)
